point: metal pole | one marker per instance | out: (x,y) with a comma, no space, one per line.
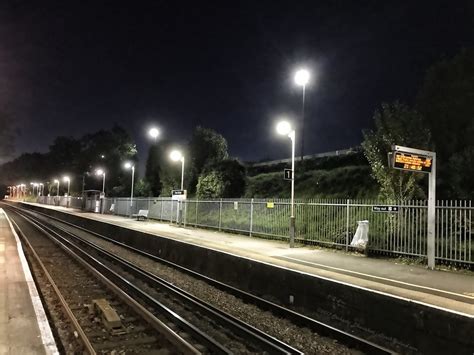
(302,124)
(220,214)
(251,217)
(103,183)
(292,216)
(182,173)
(431,215)
(347,224)
(58,190)
(131,190)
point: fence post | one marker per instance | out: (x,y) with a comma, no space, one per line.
(220,214)
(161,214)
(251,217)
(197,201)
(185,213)
(347,225)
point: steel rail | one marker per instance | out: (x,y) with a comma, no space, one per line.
(183,345)
(321,328)
(77,327)
(107,274)
(259,338)
(244,329)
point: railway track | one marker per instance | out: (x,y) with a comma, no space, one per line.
(202,327)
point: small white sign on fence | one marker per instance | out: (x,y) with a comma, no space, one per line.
(236,205)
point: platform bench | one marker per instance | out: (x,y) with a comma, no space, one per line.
(142,214)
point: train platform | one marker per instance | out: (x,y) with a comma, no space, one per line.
(445,289)
(24,327)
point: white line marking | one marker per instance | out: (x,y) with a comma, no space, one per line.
(272,264)
(43,324)
(379,278)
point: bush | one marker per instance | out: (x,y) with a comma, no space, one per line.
(224,179)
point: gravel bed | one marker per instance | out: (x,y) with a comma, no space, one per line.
(301,338)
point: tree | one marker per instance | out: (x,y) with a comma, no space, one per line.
(116,146)
(7,137)
(224,179)
(142,189)
(153,169)
(446,101)
(460,172)
(78,158)
(210,185)
(206,147)
(395,123)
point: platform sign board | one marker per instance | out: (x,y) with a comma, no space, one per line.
(288,174)
(412,162)
(386,209)
(270,205)
(178,195)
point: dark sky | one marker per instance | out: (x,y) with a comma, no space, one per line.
(67,68)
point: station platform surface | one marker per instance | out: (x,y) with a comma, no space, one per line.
(24,328)
(445,289)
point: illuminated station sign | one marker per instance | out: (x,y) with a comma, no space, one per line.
(412,162)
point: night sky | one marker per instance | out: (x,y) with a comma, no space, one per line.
(69,68)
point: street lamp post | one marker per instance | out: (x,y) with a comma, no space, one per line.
(68,180)
(176,155)
(284,128)
(56,181)
(41,187)
(301,79)
(129,165)
(101,172)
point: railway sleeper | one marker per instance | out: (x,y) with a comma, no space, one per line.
(109,316)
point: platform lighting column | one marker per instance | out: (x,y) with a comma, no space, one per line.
(302,78)
(68,180)
(176,155)
(284,128)
(129,165)
(56,181)
(98,173)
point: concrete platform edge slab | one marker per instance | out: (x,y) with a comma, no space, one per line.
(47,337)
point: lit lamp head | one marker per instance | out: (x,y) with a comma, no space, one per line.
(176,155)
(56,181)
(99,172)
(128,165)
(66,179)
(284,128)
(154,132)
(302,77)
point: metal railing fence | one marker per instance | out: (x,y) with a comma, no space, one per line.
(318,222)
